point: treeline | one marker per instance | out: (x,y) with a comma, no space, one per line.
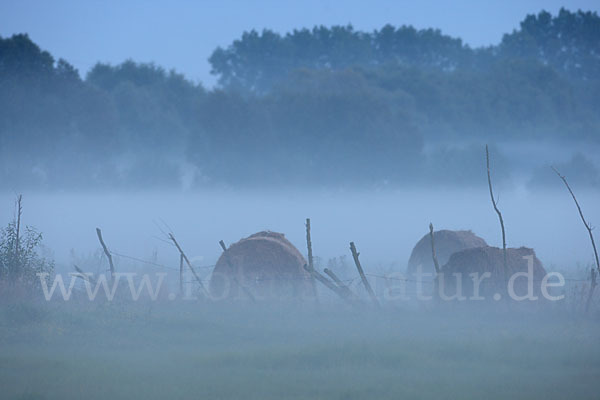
(567,43)
(321,106)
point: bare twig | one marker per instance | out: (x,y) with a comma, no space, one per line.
(83,275)
(365,282)
(107,252)
(189,264)
(495,204)
(78,269)
(589,228)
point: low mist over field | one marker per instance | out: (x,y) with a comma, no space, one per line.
(342,210)
(386,224)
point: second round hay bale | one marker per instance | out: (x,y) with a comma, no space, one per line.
(491,259)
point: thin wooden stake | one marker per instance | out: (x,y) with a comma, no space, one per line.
(365,282)
(589,228)
(311,265)
(334,277)
(487,159)
(189,264)
(433,255)
(330,285)
(107,252)
(309,245)
(341,284)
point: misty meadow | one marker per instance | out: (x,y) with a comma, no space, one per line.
(344,214)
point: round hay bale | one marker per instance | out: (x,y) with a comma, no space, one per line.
(447,242)
(266,264)
(490,259)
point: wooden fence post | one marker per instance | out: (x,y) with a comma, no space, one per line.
(341,284)
(311,265)
(330,285)
(189,264)
(365,282)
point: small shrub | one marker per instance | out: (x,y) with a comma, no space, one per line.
(20,260)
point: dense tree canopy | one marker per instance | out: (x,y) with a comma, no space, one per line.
(569,42)
(317,105)
(258,60)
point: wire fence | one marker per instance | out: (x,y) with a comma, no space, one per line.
(348,281)
(152,263)
(574,293)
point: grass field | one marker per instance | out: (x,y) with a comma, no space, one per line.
(195,351)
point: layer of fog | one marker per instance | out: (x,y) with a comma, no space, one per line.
(384,225)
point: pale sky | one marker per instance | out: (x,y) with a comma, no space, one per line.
(182,34)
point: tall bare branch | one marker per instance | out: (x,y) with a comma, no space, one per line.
(107,252)
(589,228)
(494,203)
(587,225)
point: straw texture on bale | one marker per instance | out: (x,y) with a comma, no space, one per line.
(266,263)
